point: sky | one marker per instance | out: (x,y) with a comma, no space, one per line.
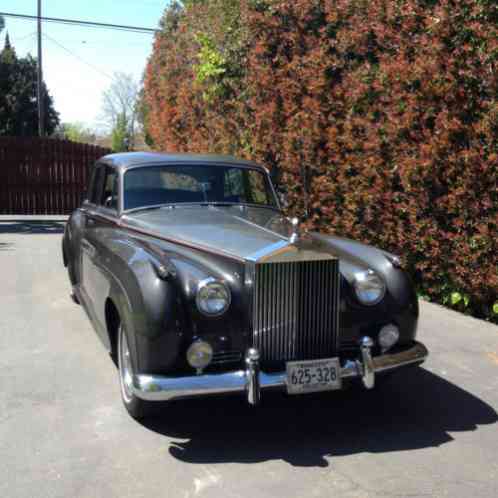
(79,62)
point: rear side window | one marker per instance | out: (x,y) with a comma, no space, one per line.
(95,187)
(91,183)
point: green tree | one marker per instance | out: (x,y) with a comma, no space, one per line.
(119,104)
(18,105)
(2,23)
(120,134)
(142,113)
(76,132)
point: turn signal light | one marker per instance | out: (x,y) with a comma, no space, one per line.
(388,336)
(199,354)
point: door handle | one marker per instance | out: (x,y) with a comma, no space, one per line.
(90,222)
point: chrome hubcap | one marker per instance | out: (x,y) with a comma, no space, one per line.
(125,368)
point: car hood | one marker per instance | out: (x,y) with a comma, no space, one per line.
(234,231)
(251,234)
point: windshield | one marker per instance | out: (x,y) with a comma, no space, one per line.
(213,184)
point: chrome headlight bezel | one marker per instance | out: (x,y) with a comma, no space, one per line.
(212,285)
(369,288)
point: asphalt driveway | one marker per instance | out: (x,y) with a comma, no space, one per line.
(64,433)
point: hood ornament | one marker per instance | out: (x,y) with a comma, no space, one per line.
(296,231)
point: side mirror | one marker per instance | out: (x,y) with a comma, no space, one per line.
(110,202)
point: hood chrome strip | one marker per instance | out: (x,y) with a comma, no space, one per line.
(265,251)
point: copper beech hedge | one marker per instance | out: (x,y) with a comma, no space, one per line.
(386,112)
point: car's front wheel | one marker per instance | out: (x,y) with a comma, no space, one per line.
(136,407)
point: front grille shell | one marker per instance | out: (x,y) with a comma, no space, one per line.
(295,313)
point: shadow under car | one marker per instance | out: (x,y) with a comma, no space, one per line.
(415,409)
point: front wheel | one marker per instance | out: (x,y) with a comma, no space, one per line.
(136,407)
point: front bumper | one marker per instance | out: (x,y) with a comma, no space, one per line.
(252,381)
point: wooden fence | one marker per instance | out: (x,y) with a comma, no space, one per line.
(44,175)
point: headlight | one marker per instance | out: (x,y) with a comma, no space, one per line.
(213,297)
(369,287)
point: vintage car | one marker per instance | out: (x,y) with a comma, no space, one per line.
(198,283)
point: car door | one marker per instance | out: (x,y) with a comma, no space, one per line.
(99,226)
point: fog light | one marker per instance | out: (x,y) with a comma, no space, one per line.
(199,354)
(388,336)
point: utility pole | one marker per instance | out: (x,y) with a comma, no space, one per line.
(39,95)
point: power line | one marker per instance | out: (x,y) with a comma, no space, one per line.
(21,43)
(76,56)
(89,24)
(84,41)
(151,4)
(23,37)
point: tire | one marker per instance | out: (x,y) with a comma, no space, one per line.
(72,281)
(70,274)
(136,407)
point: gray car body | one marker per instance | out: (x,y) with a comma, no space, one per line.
(144,267)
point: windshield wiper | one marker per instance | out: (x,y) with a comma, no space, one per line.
(148,208)
(216,203)
(242,204)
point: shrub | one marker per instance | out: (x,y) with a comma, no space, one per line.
(384,112)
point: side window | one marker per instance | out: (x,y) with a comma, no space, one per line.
(96,184)
(91,183)
(109,196)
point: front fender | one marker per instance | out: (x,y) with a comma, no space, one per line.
(400,305)
(147,304)
(160,312)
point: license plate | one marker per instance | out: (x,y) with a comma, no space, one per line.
(313,375)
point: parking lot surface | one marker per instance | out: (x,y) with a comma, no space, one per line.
(431,431)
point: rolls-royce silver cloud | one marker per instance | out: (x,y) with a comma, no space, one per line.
(198,284)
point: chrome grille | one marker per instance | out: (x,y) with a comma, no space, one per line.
(296,309)
(220,357)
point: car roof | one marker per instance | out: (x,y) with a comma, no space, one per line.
(124,160)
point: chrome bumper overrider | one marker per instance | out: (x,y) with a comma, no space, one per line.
(252,380)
